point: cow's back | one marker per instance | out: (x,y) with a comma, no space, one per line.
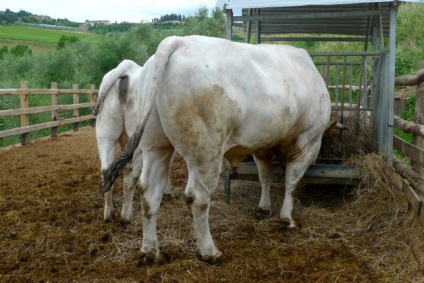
(253,96)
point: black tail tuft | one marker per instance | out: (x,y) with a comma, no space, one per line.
(112,171)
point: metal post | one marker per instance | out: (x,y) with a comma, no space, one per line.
(327,79)
(380,33)
(391,83)
(374,63)
(229,29)
(350,84)
(258,30)
(249,27)
(382,105)
(336,82)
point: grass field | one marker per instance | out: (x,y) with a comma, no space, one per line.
(37,37)
(36,47)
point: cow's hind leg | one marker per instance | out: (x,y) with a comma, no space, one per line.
(108,131)
(108,209)
(266,175)
(153,180)
(131,176)
(295,169)
(202,181)
(106,153)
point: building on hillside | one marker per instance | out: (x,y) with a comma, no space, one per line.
(88,23)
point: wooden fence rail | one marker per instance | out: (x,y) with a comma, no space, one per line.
(416,154)
(413,183)
(55,108)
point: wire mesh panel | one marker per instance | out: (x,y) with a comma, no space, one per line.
(348,77)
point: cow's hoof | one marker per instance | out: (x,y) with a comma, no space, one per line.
(150,258)
(125,223)
(286,223)
(126,218)
(263,213)
(109,215)
(108,218)
(212,259)
(168,196)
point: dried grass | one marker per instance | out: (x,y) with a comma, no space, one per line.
(343,144)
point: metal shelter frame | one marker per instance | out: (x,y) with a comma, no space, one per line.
(370,22)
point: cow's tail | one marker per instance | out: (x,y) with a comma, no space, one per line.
(121,71)
(163,52)
(124,83)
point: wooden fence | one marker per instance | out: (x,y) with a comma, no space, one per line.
(413,182)
(55,108)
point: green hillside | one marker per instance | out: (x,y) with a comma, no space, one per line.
(37,39)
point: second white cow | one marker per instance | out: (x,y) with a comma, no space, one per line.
(115,122)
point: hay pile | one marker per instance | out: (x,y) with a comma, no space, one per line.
(52,228)
(357,139)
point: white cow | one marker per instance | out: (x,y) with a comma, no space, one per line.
(212,98)
(116,120)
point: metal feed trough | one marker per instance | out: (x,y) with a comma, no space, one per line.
(359,82)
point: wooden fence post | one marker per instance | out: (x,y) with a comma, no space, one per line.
(24,117)
(93,99)
(76,111)
(419,119)
(55,113)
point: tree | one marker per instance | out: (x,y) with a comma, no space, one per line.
(203,24)
(60,66)
(20,50)
(202,13)
(3,50)
(23,13)
(64,40)
(8,17)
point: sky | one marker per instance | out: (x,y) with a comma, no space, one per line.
(134,11)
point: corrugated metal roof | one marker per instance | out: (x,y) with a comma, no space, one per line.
(353,18)
(239,4)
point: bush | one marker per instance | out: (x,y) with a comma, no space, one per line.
(20,50)
(3,50)
(202,24)
(66,40)
(409,38)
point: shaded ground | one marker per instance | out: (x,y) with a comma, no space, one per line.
(51,227)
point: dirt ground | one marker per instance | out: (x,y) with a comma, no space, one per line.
(52,229)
